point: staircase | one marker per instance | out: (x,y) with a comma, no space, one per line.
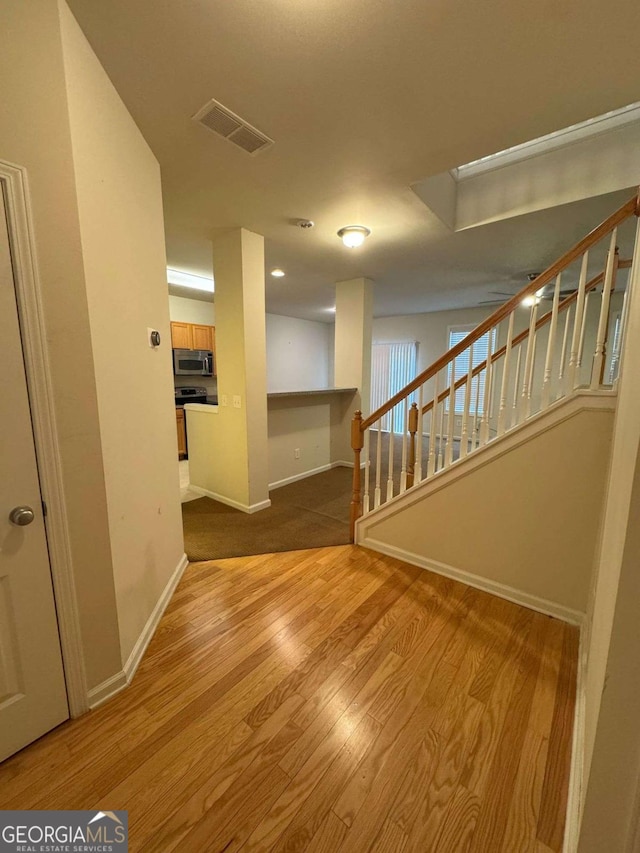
(537,368)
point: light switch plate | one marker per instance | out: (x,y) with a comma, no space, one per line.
(237,404)
(223,400)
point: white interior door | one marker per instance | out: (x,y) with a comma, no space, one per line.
(32,688)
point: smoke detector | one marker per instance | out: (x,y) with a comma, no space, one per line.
(305,223)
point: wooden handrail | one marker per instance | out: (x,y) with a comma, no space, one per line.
(523,335)
(632,207)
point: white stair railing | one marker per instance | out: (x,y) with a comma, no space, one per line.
(532,361)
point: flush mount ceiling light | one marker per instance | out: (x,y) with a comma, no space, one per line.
(353,235)
(277,273)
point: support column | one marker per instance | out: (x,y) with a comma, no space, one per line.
(354,318)
(352,368)
(228,452)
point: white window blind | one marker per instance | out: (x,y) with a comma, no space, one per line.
(615,348)
(392,367)
(461,366)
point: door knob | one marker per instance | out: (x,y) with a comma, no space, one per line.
(21,515)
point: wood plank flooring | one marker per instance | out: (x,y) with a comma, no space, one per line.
(329,701)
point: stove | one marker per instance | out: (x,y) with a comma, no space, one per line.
(190,394)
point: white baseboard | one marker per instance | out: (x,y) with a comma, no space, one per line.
(121,679)
(302,476)
(576,771)
(310,473)
(97,695)
(533,602)
(248,508)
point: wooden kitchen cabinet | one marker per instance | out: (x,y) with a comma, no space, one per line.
(194,336)
(182,336)
(202,337)
(182,434)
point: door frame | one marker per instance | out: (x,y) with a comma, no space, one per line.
(36,358)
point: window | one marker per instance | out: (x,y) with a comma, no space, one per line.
(615,348)
(461,366)
(392,367)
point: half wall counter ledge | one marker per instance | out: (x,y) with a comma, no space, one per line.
(309,432)
(272,395)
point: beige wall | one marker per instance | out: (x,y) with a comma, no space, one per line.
(619,520)
(612,795)
(298,423)
(594,166)
(317,425)
(185,310)
(298,354)
(35,134)
(122,232)
(528,519)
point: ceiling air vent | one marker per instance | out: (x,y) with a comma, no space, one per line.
(222,121)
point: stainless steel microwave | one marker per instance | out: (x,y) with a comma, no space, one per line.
(192,362)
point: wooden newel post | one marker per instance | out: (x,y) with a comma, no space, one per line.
(413,428)
(356,444)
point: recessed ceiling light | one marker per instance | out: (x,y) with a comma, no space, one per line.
(187,279)
(353,235)
(277,273)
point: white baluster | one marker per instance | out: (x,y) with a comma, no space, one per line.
(488,385)
(390,461)
(377,493)
(528,363)
(563,354)
(530,382)
(440,459)
(516,390)
(417,475)
(431,462)
(464,432)
(578,325)
(583,329)
(448,457)
(551,343)
(405,431)
(598,357)
(476,408)
(367,466)
(502,413)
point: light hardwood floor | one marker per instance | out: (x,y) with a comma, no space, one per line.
(329,701)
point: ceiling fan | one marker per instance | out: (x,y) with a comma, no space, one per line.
(545,292)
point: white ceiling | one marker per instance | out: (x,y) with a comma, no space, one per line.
(363,99)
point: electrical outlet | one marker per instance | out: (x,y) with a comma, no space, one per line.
(296,453)
(223,400)
(237,404)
